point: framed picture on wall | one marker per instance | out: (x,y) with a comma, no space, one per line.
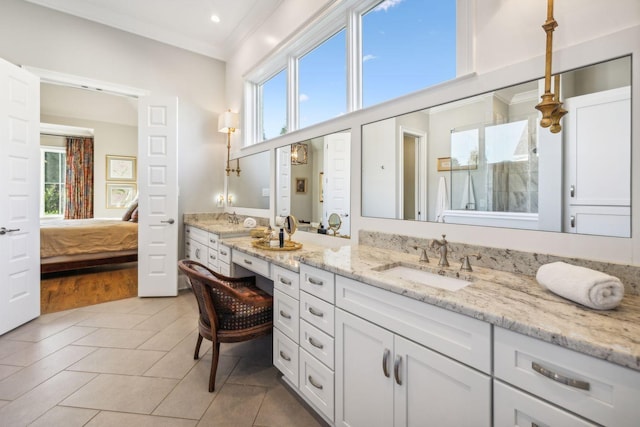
(119,195)
(121,168)
(301,185)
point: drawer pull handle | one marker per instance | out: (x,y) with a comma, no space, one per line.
(188,243)
(315,282)
(285,315)
(315,312)
(223,253)
(284,356)
(396,369)
(246,261)
(198,253)
(315,343)
(285,281)
(315,384)
(212,256)
(571,382)
(385,362)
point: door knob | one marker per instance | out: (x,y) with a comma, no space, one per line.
(4,230)
(169,221)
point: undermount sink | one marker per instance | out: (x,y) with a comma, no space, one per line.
(423,277)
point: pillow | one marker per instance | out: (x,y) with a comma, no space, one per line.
(134,215)
(133,206)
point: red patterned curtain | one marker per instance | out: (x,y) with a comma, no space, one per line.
(79,178)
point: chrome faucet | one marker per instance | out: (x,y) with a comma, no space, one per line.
(443,247)
(233,218)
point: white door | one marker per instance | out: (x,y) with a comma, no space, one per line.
(435,390)
(364,373)
(337,185)
(19,196)
(158,198)
(283,180)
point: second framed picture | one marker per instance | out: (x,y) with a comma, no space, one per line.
(120,195)
(301,185)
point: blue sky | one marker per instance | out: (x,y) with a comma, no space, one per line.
(407,45)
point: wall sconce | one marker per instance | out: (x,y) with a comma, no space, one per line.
(228,123)
(230,200)
(299,154)
(550,106)
(220,200)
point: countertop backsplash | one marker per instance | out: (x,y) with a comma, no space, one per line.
(508,260)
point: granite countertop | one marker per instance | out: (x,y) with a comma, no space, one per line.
(221,227)
(508,300)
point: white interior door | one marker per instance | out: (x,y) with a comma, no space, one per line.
(158,196)
(19,196)
(337,185)
(283,181)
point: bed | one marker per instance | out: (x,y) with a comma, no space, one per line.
(81,243)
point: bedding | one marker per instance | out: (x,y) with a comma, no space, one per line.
(78,243)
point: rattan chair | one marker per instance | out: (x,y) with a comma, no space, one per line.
(231,309)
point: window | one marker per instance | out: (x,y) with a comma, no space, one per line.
(407,45)
(322,81)
(52,197)
(273,106)
(360,53)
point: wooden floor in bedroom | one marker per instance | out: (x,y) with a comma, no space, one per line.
(66,290)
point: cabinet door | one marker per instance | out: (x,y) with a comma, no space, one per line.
(364,365)
(432,389)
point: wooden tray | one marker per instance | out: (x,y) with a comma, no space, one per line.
(289,245)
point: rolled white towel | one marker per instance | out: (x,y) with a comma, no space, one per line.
(582,285)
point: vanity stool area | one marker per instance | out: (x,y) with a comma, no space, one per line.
(363,348)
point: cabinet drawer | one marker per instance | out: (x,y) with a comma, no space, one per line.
(224,253)
(317,312)
(513,408)
(213,241)
(286,281)
(198,252)
(460,337)
(285,356)
(317,282)
(224,269)
(316,383)
(593,388)
(213,257)
(317,343)
(286,314)
(252,263)
(196,234)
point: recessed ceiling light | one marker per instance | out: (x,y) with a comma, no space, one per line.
(215,18)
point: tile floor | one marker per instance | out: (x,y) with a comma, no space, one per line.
(130,363)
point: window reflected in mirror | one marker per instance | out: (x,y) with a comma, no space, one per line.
(483,161)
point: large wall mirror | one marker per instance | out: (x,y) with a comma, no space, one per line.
(313,182)
(249,189)
(484,160)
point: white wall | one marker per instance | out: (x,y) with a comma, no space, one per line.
(36,36)
(510,47)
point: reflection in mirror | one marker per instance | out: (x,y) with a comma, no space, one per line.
(251,188)
(489,163)
(315,190)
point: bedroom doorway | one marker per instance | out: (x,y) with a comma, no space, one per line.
(157,186)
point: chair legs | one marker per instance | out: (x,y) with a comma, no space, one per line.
(214,366)
(197,353)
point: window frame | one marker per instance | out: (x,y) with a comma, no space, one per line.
(51,149)
(344,15)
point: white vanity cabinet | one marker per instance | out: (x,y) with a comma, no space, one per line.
(286,322)
(383,378)
(201,246)
(601,392)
